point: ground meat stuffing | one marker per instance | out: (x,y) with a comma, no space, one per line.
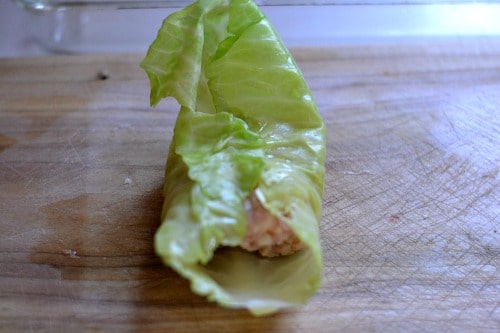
(266,233)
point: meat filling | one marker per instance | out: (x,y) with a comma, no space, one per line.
(266,233)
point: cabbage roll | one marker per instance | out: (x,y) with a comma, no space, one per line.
(245,170)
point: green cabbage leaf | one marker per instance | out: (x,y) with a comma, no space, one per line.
(247,123)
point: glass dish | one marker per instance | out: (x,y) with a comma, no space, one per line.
(124,4)
(117,26)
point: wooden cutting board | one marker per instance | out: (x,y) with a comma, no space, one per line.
(410,230)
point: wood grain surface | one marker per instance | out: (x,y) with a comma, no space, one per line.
(410,230)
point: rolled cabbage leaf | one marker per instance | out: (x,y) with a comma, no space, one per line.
(247,125)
